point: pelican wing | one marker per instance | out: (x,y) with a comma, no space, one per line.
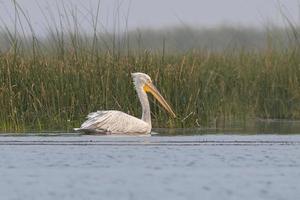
(114,122)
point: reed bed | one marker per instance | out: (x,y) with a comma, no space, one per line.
(52,84)
(205,89)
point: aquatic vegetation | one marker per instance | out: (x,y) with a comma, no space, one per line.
(205,89)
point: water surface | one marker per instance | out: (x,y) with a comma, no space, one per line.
(178,167)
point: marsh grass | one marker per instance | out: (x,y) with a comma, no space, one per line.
(53,82)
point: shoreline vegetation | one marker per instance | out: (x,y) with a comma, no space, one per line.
(211,77)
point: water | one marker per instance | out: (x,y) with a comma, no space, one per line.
(192,167)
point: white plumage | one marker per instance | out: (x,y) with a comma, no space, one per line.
(114,122)
(117,122)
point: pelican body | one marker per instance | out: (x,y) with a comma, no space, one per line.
(117,122)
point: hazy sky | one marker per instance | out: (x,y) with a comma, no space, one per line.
(158,13)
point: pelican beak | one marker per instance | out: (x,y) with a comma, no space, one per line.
(149,87)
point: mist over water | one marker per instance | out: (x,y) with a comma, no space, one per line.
(169,26)
(133,14)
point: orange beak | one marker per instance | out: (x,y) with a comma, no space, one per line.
(149,87)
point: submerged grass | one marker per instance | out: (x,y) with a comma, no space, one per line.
(52,84)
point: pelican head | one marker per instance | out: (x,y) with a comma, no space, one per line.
(143,83)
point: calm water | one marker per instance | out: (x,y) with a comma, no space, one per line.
(192,167)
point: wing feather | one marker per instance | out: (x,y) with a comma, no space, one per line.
(115,122)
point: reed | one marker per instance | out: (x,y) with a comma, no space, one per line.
(205,89)
(51,84)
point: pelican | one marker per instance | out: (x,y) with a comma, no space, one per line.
(117,122)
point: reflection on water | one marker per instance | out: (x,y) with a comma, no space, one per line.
(255,126)
(250,127)
(259,159)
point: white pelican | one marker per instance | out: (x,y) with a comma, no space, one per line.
(117,122)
